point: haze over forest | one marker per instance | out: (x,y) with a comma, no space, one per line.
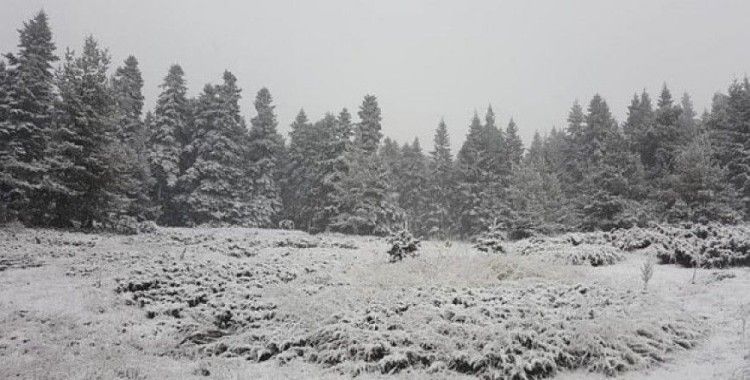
(423,59)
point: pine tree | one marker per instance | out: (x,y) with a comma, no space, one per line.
(334,170)
(441,184)
(411,186)
(481,192)
(668,136)
(686,121)
(368,134)
(298,171)
(217,186)
(84,181)
(513,144)
(167,139)
(27,104)
(701,185)
(611,176)
(729,126)
(266,148)
(495,145)
(367,200)
(133,167)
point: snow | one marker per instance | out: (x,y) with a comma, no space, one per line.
(235,302)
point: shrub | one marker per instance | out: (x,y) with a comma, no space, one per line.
(491,240)
(402,243)
(147,227)
(572,251)
(286,224)
(125,225)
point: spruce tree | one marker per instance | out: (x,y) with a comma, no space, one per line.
(217,186)
(298,171)
(639,129)
(84,182)
(368,202)
(334,170)
(728,126)
(167,139)
(480,196)
(26,112)
(266,149)
(411,186)
(513,144)
(496,145)
(668,136)
(133,166)
(441,184)
(368,132)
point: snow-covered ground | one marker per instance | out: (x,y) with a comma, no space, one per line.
(246,303)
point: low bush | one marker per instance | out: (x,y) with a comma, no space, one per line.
(402,244)
(491,240)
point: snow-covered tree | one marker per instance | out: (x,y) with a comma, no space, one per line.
(217,187)
(368,132)
(366,198)
(728,125)
(266,148)
(334,170)
(133,167)
(440,186)
(27,97)
(84,182)
(167,138)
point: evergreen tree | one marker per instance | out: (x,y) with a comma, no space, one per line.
(495,145)
(84,183)
(334,169)
(367,200)
(729,126)
(480,195)
(217,185)
(266,149)
(26,111)
(513,144)
(668,136)
(132,165)
(298,170)
(441,184)
(639,129)
(167,139)
(686,121)
(701,185)
(368,134)
(411,186)
(613,175)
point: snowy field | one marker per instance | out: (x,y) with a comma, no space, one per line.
(253,304)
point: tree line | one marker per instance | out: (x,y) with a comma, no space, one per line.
(77,150)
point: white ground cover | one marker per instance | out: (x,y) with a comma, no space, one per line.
(248,303)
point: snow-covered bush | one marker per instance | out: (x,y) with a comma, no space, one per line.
(708,246)
(527,332)
(125,225)
(286,224)
(401,243)
(492,239)
(147,227)
(572,251)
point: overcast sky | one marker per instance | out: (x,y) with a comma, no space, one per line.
(423,59)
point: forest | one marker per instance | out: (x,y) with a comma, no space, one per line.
(78,150)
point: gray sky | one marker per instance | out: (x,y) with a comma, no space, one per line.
(423,59)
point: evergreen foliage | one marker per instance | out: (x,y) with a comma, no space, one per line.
(27,95)
(168,136)
(77,151)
